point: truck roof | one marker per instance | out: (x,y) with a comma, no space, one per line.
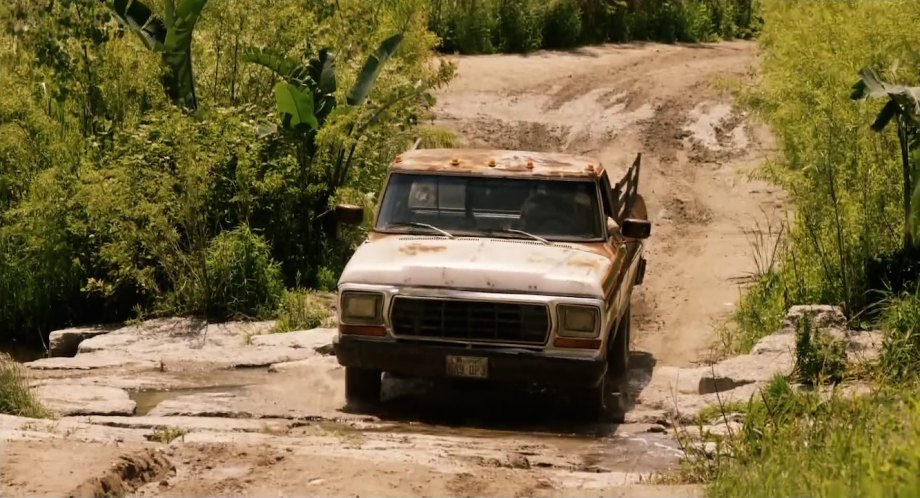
(503,163)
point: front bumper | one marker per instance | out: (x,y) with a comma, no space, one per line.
(419,359)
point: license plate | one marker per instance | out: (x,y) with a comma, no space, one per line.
(467,366)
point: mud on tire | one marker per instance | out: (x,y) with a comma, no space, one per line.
(362,387)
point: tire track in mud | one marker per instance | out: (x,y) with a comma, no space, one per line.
(129,473)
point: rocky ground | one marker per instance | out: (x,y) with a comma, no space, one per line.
(181,408)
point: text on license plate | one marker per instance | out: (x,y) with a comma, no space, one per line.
(467,366)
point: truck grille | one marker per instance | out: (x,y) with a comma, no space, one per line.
(470,320)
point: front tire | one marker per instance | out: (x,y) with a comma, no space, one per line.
(362,386)
(591,404)
(618,355)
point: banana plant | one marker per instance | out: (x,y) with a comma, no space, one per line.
(171,36)
(903,106)
(306,95)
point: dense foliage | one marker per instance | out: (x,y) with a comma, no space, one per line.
(850,241)
(486,26)
(845,239)
(144,170)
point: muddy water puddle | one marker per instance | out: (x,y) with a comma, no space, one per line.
(212,382)
(148,399)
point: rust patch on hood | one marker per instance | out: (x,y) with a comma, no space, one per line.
(413,249)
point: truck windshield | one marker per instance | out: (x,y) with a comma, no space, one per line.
(555,210)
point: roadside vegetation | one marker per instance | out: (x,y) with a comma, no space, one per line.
(182,158)
(162,158)
(839,88)
(488,26)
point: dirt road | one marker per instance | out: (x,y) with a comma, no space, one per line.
(226,425)
(662,101)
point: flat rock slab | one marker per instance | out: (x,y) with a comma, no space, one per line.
(91,362)
(302,339)
(214,424)
(162,343)
(224,405)
(76,399)
(65,342)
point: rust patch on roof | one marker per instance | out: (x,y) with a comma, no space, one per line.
(500,162)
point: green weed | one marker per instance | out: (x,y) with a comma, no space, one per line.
(302,310)
(15,396)
(167,434)
(818,357)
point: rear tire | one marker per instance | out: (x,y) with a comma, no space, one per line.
(362,386)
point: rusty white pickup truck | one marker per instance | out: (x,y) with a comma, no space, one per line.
(499,265)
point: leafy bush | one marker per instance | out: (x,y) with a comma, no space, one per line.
(900,356)
(562,24)
(113,200)
(302,310)
(469,26)
(818,356)
(15,396)
(465,26)
(238,279)
(518,26)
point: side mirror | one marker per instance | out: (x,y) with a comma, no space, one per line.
(349,214)
(636,229)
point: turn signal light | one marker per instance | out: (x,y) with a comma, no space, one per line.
(367,330)
(568,342)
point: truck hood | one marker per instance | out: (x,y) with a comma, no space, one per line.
(489,265)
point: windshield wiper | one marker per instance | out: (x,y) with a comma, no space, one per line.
(532,236)
(425,225)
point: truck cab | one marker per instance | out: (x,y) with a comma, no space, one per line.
(497,265)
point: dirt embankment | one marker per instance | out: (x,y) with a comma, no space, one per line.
(237,412)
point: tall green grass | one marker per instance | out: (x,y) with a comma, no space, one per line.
(843,178)
(15,396)
(806,444)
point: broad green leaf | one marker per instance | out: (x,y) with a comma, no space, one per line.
(177,53)
(295,106)
(141,21)
(322,76)
(885,115)
(371,70)
(322,71)
(271,60)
